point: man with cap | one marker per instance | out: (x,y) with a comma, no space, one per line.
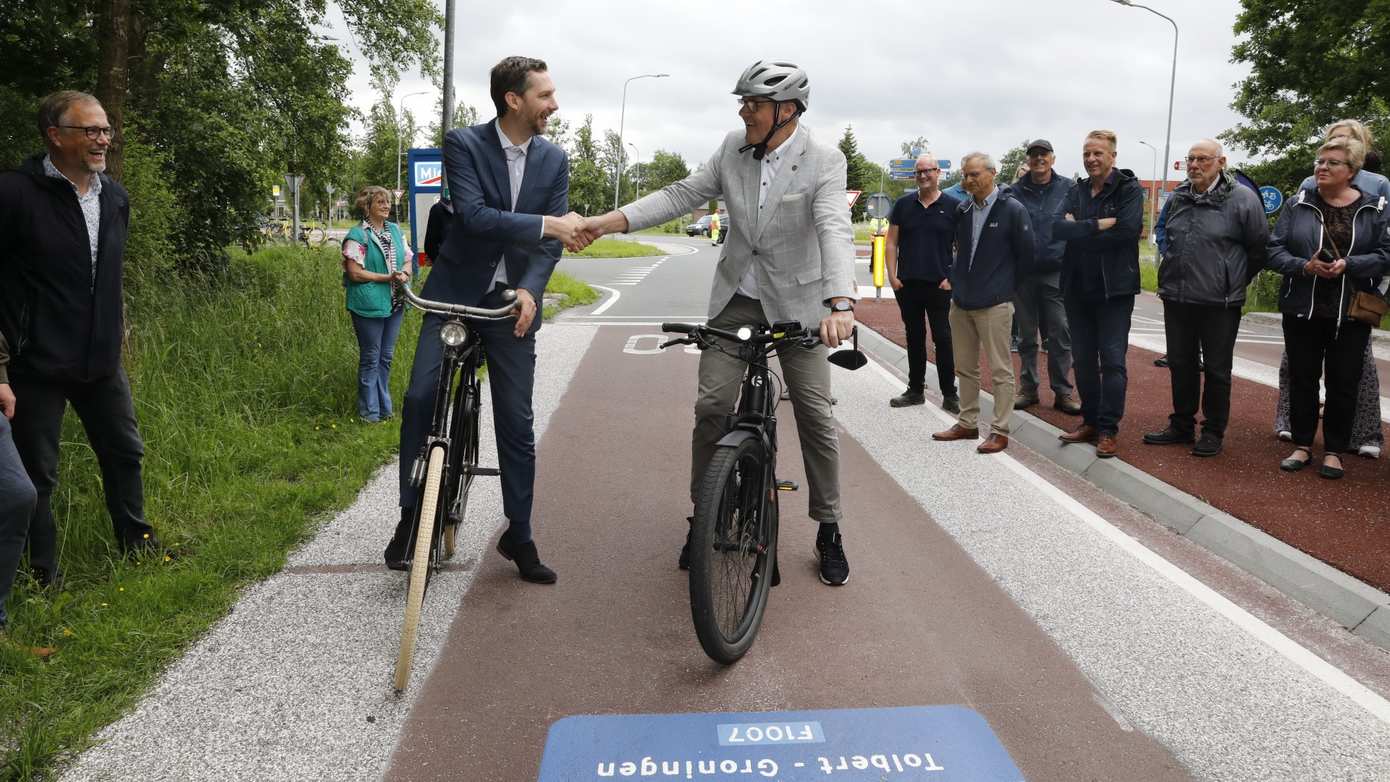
(1038,299)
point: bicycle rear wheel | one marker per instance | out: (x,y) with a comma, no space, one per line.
(420,565)
(732,551)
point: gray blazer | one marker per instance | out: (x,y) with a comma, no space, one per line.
(800,246)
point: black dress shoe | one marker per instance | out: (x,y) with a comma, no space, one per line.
(951,404)
(908,398)
(46,578)
(1168,436)
(401,549)
(528,562)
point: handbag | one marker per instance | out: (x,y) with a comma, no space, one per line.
(1365,306)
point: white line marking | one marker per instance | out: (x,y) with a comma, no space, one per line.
(604,306)
(1293,652)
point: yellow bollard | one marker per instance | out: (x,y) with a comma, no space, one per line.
(880,246)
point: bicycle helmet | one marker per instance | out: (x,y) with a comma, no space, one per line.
(780,82)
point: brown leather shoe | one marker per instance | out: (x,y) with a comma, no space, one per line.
(993,444)
(1068,405)
(1084,433)
(957,432)
(1106,446)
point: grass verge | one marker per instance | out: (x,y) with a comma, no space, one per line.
(615,248)
(245,393)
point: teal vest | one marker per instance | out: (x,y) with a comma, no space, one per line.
(373,299)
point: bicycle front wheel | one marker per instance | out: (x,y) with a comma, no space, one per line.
(420,565)
(733,549)
(465,439)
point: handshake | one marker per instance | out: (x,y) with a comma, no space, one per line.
(577,231)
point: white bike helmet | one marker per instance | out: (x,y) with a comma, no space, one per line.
(777,81)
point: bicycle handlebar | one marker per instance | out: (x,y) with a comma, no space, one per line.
(445,308)
(695,331)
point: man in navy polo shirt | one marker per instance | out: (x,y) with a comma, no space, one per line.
(920,230)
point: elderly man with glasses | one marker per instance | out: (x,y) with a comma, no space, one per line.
(1038,300)
(921,228)
(1214,245)
(61,312)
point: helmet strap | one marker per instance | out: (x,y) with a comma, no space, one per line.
(760,148)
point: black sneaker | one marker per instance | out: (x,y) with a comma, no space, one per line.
(1169,436)
(951,404)
(401,549)
(908,399)
(834,568)
(1208,445)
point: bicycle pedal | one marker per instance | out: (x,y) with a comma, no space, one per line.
(787,486)
(484,471)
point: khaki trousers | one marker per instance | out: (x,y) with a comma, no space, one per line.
(807,375)
(987,329)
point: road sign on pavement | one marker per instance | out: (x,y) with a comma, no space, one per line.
(1272,198)
(940,743)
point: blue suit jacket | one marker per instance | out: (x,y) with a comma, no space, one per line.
(486,226)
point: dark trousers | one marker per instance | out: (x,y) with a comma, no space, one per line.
(1198,333)
(511,372)
(1099,342)
(1316,346)
(17,498)
(921,302)
(1038,304)
(108,416)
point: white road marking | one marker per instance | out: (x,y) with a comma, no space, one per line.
(613,299)
(1285,646)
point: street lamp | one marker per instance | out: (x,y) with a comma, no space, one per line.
(1153,181)
(637,155)
(1172,82)
(622,115)
(400,103)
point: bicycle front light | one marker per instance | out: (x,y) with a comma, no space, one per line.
(453,334)
(744,333)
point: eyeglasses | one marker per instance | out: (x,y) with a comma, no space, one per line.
(753,103)
(1200,160)
(1321,163)
(925,171)
(92,132)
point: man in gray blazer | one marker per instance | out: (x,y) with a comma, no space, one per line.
(789,256)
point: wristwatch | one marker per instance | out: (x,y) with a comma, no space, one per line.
(842,305)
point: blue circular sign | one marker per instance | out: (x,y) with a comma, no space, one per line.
(1273,199)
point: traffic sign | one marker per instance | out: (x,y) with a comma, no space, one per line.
(1273,199)
(902,164)
(852,196)
(901,175)
(879,205)
(1177,165)
(945,165)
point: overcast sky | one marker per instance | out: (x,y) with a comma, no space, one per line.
(978,74)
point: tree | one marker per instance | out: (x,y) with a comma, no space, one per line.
(915,143)
(665,168)
(1312,63)
(1009,163)
(860,173)
(590,190)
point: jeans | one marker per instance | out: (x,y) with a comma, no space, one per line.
(1099,342)
(17,498)
(921,302)
(108,416)
(376,345)
(1038,304)
(1316,346)
(984,330)
(808,381)
(511,368)
(1198,333)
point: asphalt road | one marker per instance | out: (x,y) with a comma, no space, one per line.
(1094,644)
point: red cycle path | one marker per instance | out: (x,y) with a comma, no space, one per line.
(1342,523)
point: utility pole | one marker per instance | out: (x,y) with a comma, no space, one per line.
(448,70)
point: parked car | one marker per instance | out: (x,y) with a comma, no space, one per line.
(701,226)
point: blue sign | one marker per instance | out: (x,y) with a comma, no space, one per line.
(1273,199)
(945,165)
(902,164)
(939,743)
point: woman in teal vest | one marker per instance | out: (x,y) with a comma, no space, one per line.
(376,262)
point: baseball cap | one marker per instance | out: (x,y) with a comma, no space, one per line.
(1042,142)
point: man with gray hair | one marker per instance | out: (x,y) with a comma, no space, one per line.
(994,244)
(1215,239)
(61,311)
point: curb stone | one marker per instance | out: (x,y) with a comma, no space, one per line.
(1355,605)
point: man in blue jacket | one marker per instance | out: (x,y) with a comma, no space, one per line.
(1101,221)
(994,244)
(1038,303)
(510,191)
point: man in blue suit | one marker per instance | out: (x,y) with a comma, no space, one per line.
(510,193)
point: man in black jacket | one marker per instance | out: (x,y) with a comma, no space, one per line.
(64,223)
(1101,221)
(1215,238)
(994,244)
(1038,302)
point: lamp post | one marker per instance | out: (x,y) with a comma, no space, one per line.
(622,116)
(400,104)
(1172,82)
(1153,182)
(637,156)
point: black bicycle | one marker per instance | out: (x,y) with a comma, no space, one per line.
(447,464)
(733,537)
